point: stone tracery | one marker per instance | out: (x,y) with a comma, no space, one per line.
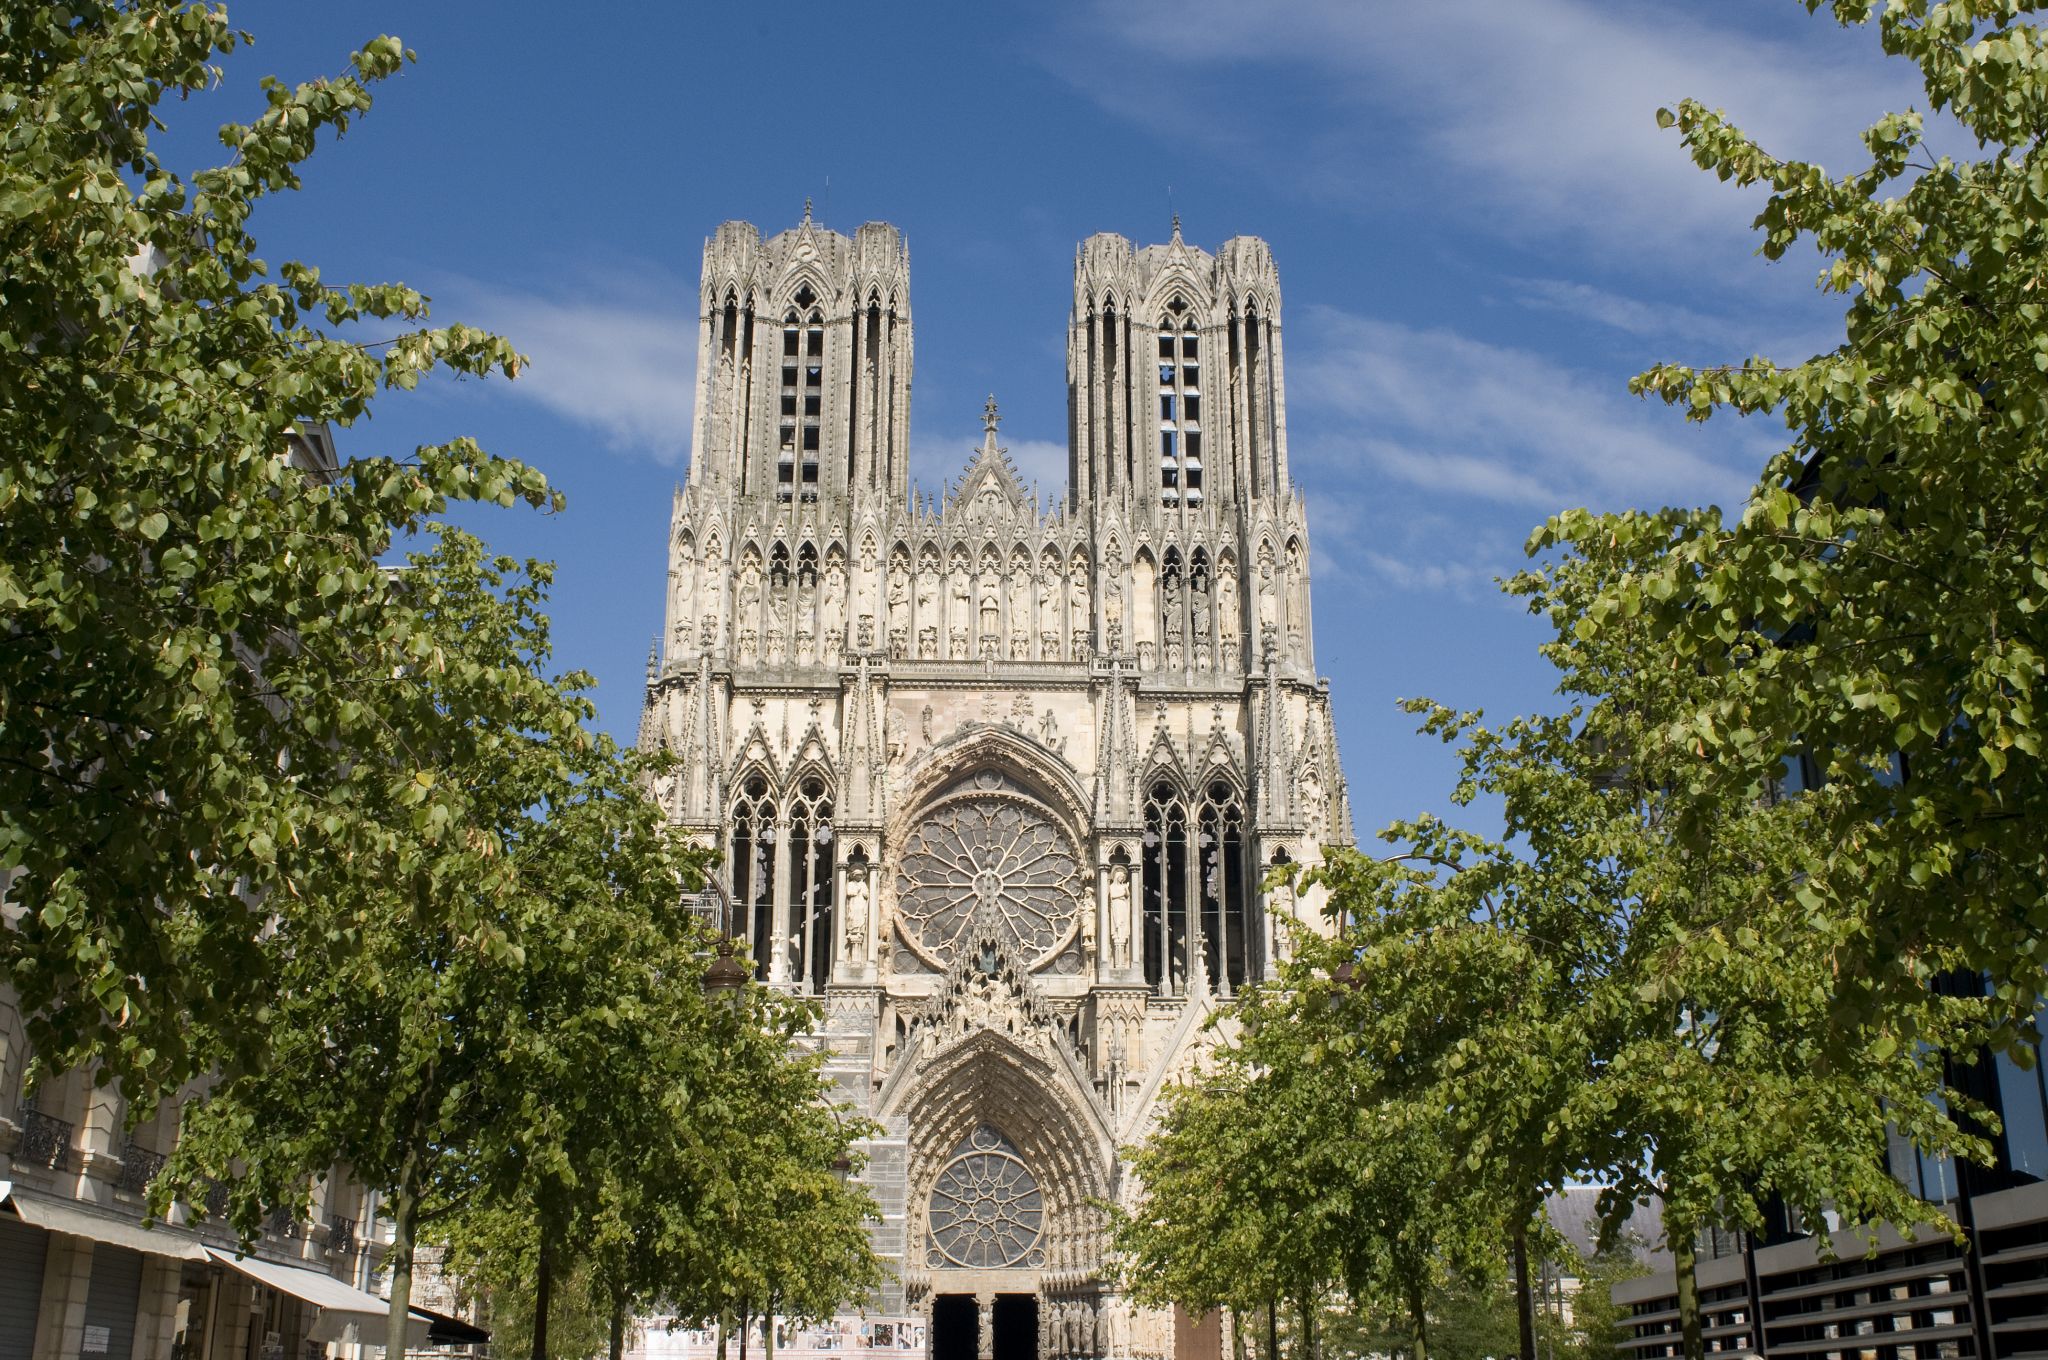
(994,773)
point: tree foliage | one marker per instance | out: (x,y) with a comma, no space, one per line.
(1878,604)
(198,646)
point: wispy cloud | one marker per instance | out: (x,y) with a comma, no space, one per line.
(1540,109)
(618,355)
(1439,410)
(935,460)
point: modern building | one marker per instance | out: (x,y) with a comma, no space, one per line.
(998,777)
(1832,1295)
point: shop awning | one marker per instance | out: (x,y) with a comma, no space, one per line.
(79,1220)
(443,1330)
(347,1314)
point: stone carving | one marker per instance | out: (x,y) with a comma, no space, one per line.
(987,1212)
(987,852)
(857,907)
(1120,916)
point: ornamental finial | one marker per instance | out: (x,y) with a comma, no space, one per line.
(989,418)
(1176,226)
(807,208)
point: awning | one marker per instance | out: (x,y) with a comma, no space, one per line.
(347,1314)
(69,1216)
(443,1330)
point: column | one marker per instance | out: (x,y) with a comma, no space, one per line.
(99,1144)
(156,1312)
(985,1308)
(60,1319)
(778,914)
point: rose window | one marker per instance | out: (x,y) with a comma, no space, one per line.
(987,854)
(987,1212)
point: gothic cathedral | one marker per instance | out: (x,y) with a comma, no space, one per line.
(998,780)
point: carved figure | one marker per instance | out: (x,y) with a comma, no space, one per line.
(1119,916)
(991,607)
(832,614)
(857,899)
(899,604)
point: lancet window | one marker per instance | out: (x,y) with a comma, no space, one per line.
(1180,407)
(750,860)
(1197,889)
(779,856)
(803,398)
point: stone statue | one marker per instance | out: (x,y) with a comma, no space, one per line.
(1120,916)
(857,903)
(925,725)
(832,613)
(991,607)
(899,605)
(1088,933)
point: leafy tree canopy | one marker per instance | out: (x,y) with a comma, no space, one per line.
(200,652)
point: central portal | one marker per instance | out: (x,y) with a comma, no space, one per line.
(1016,1327)
(956,1328)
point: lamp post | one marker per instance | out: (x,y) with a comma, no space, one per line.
(726,978)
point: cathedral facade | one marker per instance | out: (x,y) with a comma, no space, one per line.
(999,779)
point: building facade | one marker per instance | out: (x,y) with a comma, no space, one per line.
(1818,1292)
(1000,779)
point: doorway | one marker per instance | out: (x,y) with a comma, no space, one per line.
(956,1327)
(1016,1327)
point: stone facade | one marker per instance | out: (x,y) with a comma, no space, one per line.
(998,779)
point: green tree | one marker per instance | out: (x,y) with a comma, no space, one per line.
(1593,995)
(1878,604)
(199,641)
(451,1067)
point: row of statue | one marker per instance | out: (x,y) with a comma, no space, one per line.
(797,611)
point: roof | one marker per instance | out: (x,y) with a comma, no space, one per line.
(1575,1212)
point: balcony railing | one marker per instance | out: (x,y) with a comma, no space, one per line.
(341,1235)
(45,1142)
(284,1222)
(138,1168)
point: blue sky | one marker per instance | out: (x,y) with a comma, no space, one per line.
(1481,233)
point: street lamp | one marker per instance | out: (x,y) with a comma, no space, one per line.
(726,978)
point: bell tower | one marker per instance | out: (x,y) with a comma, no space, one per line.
(804,345)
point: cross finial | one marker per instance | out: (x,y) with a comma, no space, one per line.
(1176,226)
(989,418)
(807,209)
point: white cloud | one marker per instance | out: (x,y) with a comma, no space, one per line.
(1442,411)
(612,356)
(1542,109)
(935,461)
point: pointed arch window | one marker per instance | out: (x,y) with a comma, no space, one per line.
(780,859)
(1180,406)
(1196,886)
(750,857)
(803,398)
(809,936)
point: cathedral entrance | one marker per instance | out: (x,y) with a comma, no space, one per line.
(956,1327)
(1016,1327)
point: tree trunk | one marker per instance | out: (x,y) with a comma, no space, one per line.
(724,1331)
(1684,1268)
(618,1329)
(746,1325)
(1418,1325)
(1272,1329)
(1237,1346)
(543,1289)
(1525,1302)
(768,1339)
(1308,1347)
(405,1209)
